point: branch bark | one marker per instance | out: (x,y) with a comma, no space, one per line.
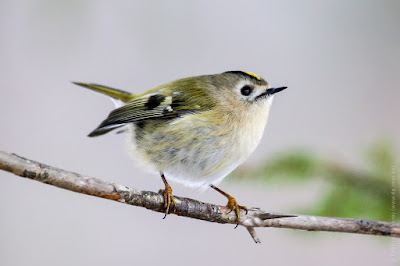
(188,207)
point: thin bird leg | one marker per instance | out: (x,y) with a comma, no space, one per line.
(168,197)
(232,204)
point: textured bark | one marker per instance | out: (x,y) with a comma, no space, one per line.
(188,207)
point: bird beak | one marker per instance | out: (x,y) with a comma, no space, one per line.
(274,90)
(270,92)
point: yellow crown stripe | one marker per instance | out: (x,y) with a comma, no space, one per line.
(253,75)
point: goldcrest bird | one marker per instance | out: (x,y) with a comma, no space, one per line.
(195,130)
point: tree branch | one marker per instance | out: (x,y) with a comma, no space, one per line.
(188,207)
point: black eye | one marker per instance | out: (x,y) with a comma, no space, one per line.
(246,90)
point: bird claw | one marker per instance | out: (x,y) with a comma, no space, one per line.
(168,199)
(232,204)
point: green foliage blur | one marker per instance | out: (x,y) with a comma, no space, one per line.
(371,193)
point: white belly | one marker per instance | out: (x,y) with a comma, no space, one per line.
(211,159)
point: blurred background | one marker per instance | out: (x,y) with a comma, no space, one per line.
(330,148)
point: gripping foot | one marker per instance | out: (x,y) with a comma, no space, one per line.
(168,197)
(232,204)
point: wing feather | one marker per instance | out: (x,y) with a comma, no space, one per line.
(148,106)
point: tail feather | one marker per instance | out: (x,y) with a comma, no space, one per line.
(119,95)
(111,92)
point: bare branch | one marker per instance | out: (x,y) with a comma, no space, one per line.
(188,207)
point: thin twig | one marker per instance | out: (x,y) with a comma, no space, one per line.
(188,207)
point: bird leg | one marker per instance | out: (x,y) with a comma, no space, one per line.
(232,204)
(168,197)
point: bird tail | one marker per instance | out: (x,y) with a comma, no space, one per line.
(117,94)
(119,97)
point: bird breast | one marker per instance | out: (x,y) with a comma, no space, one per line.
(200,149)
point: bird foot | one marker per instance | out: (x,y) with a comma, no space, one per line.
(232,204)
(168,198)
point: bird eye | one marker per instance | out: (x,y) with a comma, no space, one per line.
(246,90)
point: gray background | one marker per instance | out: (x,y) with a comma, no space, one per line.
(340,60)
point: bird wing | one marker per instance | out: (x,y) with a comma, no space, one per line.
(154,105)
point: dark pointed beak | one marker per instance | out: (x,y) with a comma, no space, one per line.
(269,92)
(274,90)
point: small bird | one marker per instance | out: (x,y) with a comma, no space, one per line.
(195,130)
